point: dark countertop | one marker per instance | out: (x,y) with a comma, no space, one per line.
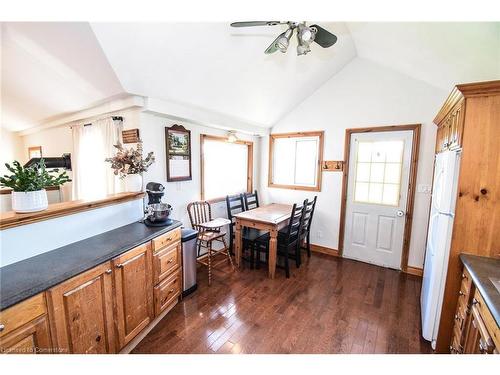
(481,269)
(26,278)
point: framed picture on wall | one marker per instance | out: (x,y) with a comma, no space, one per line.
(34,152)
(178,146)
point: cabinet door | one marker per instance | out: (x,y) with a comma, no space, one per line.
(478,339)
(81,312)
(133,292)
(456,130)
(31,338)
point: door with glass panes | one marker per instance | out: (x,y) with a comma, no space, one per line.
(377,188)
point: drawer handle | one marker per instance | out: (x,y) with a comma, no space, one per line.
(109,272)
(456,317)
(2,327)
(171,291)
(170,260)
(98,338)
(464,276)
(119,265)
(475,302)
(461,293)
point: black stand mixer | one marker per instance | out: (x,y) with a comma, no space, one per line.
(156,213)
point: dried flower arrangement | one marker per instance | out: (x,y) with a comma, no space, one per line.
(129,161)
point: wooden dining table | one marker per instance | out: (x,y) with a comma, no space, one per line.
(271,217)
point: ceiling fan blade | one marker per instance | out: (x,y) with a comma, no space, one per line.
(274,46)
(256,23)
(323,37)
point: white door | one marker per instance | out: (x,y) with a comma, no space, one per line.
(379,169)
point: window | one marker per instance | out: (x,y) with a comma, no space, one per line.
(295,159)
(378,172)
(226,167)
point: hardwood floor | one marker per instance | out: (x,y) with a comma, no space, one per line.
(329,305)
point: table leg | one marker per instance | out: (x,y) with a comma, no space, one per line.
(273,249)
(237,243)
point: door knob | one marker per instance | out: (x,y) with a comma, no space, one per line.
(400,213)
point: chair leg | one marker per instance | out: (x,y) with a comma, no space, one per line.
(228,253)
(308,246)
(297,255)
(252,255)
(287,266)
(210,263)
(257,253)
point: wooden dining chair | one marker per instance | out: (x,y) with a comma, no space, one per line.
(251,200)
(305,236)
(288,238)
(234,206)
(201,213)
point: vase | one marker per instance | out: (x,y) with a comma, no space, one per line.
(29,201)
(133,183)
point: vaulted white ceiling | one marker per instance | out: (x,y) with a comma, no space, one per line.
(51,69)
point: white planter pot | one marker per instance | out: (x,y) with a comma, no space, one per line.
(133,183)
(29,201)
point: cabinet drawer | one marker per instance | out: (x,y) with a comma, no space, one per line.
(165,261)
(466,281)
(167,239)
(487,318)
(22,313)
(167,292)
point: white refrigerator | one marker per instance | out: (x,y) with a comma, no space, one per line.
(437,252)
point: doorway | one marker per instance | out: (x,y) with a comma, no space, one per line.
(378,192)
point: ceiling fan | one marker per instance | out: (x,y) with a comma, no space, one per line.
(305,35)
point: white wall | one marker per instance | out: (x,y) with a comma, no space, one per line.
(362,94)
(11,149)
(179,194)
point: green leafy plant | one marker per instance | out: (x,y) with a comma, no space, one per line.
(32,178)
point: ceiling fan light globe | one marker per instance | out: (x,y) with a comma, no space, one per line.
(303,49)
(283,44)
(306,35)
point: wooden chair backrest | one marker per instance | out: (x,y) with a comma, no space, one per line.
(235,205)
(295,224)
(251,200)
(199,212)
(308,215)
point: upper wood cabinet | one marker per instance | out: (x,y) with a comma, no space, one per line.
(81,312)
(133,292)
(473,114)
(24,328)
(450,122)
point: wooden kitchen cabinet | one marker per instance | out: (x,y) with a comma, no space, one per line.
(133,292)
(24,327)
(450,129)
(475,331)
(102,309)
(473,114)
(81,312)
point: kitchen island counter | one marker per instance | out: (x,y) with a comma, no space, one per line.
(24,279)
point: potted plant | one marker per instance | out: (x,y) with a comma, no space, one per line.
(129,164)
(28,185)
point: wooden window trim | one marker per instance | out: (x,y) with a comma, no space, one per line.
(272,137)
(249,144)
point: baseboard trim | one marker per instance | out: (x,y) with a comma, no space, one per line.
(324,250)
(414,271)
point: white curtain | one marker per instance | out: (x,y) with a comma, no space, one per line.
(93,177)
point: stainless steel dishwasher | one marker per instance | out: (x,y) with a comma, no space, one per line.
(188,239)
